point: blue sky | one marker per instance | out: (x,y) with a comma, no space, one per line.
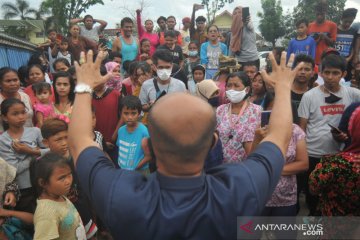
(112,11)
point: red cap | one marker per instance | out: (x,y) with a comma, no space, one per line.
(186,20)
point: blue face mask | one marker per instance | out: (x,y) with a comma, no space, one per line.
(214,101)
(193,53)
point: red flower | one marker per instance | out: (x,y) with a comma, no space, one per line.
(350,184)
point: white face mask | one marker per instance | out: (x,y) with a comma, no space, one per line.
(235,96)
(163,74)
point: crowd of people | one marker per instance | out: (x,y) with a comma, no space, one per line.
(174,134)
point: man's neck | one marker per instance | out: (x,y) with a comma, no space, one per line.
(161,82)
(333,89)
(299,88)
(301,37)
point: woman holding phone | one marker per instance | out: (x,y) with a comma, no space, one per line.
(243,37)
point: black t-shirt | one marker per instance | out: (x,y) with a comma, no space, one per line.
(296,98)
(176,52)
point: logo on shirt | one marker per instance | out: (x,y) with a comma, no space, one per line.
(332,109)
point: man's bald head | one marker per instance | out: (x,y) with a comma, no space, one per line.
(181,126)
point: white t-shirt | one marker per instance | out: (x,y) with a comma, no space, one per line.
(319,114)
(148,91)
(92,34)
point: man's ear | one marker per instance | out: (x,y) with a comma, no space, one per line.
(46,142)
(215,140)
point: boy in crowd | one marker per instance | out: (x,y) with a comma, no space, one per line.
(175,49)
(250,69)
(302,44)
(320,108)
(346,37)
(323,31)
(302,81)
(55,137)
(132,155)
(198,34)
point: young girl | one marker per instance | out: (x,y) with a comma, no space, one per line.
(35,74)
(116,79)
(64,86)
(198,74)
(211,50)
(55,216)
(44,109)
(145,47)
(18,145)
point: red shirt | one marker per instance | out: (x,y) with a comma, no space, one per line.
(327,27)
(107,112)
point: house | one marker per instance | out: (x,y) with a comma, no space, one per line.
(30,30)
(223,21)
(14,52)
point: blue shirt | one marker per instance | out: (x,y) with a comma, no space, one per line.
(129,143)
(209,54)
(344,41)
(160,207)
(306,46)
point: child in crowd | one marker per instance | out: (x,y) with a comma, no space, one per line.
(18,145)
(211,51)
(61,64)
(192,60)
(145,47)
(63,51)
(44,108)
(98,137)
(11,221)
(198,74)
(130,82)
(64,86)
(132,155)
(115,81)
(55,216)
(55,133)
(170,44)
(302,43)
(35,74)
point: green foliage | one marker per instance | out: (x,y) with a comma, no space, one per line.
(20,9)
(63,11)
(212,7)
(271,20)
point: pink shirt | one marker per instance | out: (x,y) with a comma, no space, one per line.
(153,37)
(285,193)
(242,130)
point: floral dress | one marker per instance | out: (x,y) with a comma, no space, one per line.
(285,193)
(63,115)
(232,138)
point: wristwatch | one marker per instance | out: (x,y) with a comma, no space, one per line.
(83,88)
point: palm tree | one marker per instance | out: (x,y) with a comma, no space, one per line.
(20,9)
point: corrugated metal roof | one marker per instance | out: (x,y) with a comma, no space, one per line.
(38,24)
(16,42)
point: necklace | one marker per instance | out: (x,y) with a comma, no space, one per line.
(232,124)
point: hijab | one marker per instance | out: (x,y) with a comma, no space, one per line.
(114,82)
(354,132)
(236,31)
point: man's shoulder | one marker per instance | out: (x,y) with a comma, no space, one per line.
(330,23)
(148,83)
(312,92)
(177,82)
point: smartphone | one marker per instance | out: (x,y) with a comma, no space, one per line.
(59,37)
(334,129)
(245,13)
(102,41)
(265,118)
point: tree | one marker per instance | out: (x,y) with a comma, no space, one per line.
(63,11)
(271,20)
(20,9)
(306,8)
(212,7)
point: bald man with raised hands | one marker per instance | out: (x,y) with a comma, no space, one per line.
(179,201)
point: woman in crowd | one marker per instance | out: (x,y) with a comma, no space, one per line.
(147,32)
(237,120)
(258,90)
(10,88)
(208,91)
(211,51)
(115,81)
(64,86)
(78,44)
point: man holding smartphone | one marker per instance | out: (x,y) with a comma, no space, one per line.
(243,38)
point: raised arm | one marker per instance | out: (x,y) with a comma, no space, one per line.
(80,129)
(280,126)
(140,27)
(76,20)
(102,23)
